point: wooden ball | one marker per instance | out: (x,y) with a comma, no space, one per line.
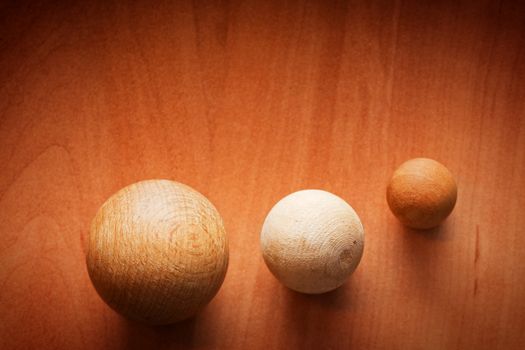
(157,252)
(422,193)
(312,241)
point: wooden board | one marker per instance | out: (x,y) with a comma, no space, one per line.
(247,102)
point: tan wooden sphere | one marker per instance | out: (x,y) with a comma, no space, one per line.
(312,241)
(158,252)
(422,193)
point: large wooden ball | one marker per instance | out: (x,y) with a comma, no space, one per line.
(312,241)
(157,252)
(422,193)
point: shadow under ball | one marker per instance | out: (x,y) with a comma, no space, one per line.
(312,241)
(158,251)
(422,193)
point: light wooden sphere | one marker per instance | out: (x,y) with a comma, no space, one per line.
(157,252)
(312,241)
(422,193)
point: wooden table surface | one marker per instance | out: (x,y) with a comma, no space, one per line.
(247,102)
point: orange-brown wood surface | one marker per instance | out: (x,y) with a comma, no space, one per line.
(247,102)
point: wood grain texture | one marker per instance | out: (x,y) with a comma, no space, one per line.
(421,193)
(247,102)
(312,241)
(158,251)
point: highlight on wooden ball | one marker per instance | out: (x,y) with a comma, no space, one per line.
(312,241)
(422,193)
(158,251)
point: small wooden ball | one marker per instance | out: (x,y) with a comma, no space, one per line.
(312,241)
(422,193)
(158,252)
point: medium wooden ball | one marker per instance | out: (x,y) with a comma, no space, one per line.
(312,241)
(422,193)
(158,252)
